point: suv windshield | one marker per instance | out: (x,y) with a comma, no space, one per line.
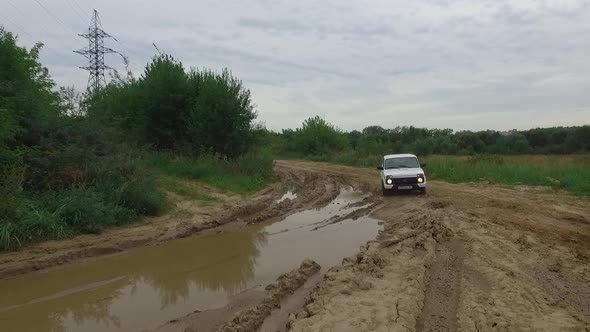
(404,162)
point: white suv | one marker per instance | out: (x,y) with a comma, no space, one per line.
(402,172)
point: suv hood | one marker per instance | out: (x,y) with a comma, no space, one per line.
(403,172)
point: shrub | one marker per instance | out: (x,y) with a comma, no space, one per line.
(143,198)
(31,223)
(85,210)
(11,181)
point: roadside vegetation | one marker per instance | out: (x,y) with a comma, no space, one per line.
(72,164)
(245,175)
(569,172)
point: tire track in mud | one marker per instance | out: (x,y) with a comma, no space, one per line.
(441,298)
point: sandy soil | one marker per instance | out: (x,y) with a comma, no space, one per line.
(465,257)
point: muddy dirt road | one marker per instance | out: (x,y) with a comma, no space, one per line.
(469,257)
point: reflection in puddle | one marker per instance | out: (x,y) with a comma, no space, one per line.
(144,288)
(289,194)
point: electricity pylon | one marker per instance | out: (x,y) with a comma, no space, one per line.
(95,54)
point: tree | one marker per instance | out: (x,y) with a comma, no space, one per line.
(72,101)
(469,142)
(221,114)
(318,137)
(26,96)
(164,90)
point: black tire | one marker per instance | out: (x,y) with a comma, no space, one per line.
(422,191)
(385,191)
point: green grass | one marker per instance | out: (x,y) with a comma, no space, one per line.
(117,199)
(570,173)
(244,175)
(56,215)
(186,189)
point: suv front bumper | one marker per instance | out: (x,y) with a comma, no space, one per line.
(396,186)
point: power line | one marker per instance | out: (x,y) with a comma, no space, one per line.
(22,30)
(27,17)
(76,11)
(131,64)
(57,19)
(18,26)
(81,10)
(15,7)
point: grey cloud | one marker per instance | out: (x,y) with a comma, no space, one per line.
(263,62)
(439,63)
(365,30)
(279,25)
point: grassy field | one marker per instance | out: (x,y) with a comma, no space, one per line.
(570,172)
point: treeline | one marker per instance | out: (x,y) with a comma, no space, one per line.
(317,137)
(68,168)
(169,108)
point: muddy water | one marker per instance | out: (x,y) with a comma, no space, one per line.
(146,287)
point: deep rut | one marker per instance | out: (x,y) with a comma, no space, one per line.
(441,297)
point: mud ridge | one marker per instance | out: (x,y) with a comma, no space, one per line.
(251,319)
(354,215)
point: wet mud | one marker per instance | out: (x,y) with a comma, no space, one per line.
(202,274)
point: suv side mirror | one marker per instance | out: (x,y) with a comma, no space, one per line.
(380,168)
(422,165)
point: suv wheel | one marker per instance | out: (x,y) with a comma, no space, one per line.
(385,191)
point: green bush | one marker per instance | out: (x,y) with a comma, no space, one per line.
(31,223)
(142,197)
(54,215)
(317,137)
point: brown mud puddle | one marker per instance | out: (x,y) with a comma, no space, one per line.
(146,287)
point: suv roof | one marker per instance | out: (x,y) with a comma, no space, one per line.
(404,155)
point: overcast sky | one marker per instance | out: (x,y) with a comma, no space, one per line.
(439,63)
